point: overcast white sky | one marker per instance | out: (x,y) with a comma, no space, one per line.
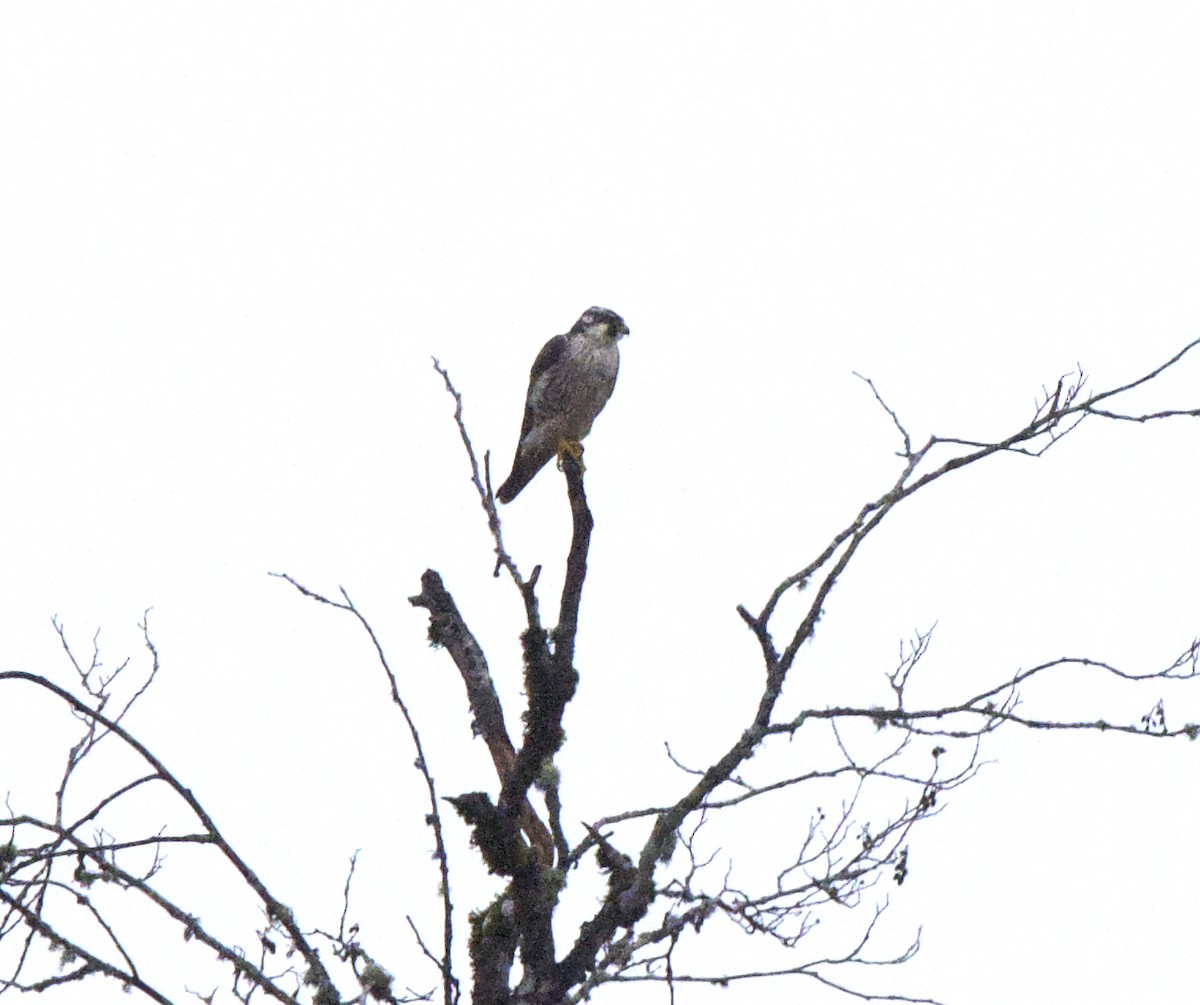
(232,236)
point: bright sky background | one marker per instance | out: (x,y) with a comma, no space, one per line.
(232,236)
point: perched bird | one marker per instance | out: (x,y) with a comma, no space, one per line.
(571,379)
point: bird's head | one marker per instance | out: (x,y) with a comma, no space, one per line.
(601,323)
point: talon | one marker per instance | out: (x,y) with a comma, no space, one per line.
(574,449)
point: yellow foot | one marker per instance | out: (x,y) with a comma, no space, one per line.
(574,449)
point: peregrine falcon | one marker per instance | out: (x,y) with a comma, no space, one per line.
(571,380)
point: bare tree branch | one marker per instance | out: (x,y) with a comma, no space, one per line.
(450,988)
(855,783)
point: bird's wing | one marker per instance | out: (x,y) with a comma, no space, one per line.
(552,352)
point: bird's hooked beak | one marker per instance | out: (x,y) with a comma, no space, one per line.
(621,330)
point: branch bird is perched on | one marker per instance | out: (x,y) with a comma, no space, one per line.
(571,379)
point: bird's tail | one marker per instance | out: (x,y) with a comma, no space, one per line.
(522,474)
(525,465)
